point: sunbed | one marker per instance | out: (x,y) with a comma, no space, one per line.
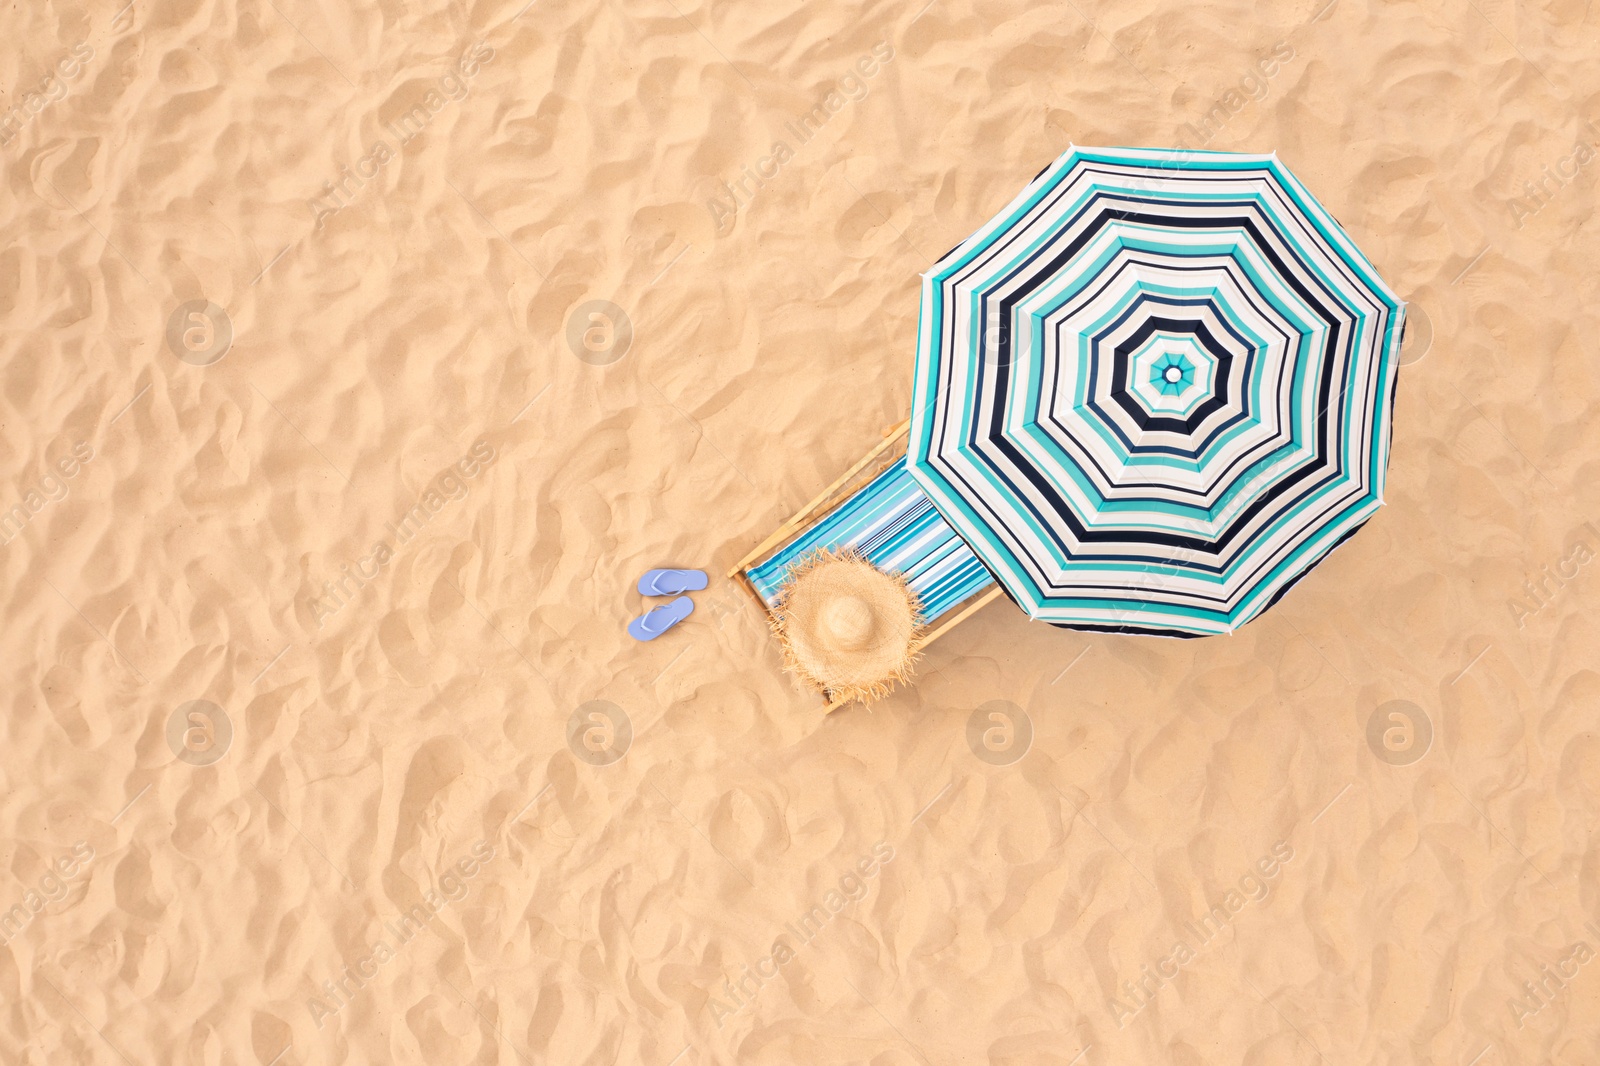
(878,510)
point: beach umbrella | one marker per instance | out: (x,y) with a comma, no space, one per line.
(1155,390)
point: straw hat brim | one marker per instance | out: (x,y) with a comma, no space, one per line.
(847,628)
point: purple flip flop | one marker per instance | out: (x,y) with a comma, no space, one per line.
(658,620)
(671,582)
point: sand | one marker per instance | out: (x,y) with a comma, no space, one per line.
(361,552)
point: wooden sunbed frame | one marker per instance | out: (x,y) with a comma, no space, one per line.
(875,462)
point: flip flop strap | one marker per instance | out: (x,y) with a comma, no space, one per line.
(655,584)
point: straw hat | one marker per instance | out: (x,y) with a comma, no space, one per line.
(847,628)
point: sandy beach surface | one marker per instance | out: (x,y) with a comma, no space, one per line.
(358,358)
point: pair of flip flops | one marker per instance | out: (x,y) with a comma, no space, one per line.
(658,620)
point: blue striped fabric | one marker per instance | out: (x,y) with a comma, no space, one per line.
(893,524)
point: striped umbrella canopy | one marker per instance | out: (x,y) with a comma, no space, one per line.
(1155,390)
